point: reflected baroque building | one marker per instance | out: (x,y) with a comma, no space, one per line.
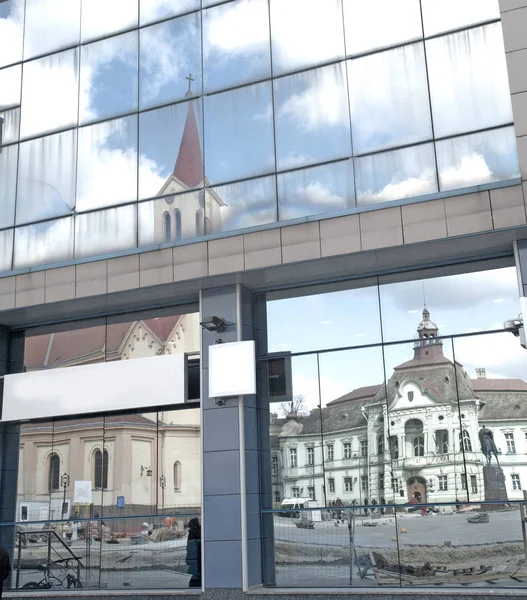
(122,455)
(414,436)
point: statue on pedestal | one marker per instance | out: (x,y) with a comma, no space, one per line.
(488,446)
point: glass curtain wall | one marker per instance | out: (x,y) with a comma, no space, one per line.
(141,131)
(400,455)
(95,491)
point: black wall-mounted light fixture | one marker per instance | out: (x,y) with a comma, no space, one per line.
(214,324)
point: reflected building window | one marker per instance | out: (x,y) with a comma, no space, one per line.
(295,492)
(394,447)
(330,451)
(311,492)
(100,475)
(274,464)
(311,456)
(292,457)
(442,441)
(54,473)
(364,448)
(516,484)
(331,486)
(380,443)
(199,229)
(177,220)
(465,442)
(442,483)
(167,224)
(511,445)
(347,449)
(177,476)
(419,446)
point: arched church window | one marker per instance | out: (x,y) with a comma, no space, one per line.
(177,475)
(100,461)
(419,446)
(167,224)
(464,441)
(199,229)
(54,473)
(177,217)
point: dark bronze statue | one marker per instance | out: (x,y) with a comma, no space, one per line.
(488,446)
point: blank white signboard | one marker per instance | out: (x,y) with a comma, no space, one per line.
(232,369)
(119,385)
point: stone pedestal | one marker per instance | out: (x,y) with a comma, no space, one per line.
(495,490)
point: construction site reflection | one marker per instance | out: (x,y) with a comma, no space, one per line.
(477,545)
(112,553)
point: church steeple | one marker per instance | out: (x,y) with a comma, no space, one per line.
(189,163)
(427,346)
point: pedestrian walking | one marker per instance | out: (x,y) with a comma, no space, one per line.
(193,559)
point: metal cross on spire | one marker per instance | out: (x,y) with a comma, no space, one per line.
(190,80)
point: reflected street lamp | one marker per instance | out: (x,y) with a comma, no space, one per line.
(163,484)
(64,481)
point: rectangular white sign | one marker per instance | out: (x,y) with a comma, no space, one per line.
(232,369)
(82,492)
(119,385)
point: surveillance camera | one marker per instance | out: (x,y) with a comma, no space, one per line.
(514,325)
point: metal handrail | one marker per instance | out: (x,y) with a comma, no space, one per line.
(51,534)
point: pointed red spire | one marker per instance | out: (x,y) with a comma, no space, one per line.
(189,162)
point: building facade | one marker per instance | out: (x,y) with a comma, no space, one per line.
(418,432)
(301,174)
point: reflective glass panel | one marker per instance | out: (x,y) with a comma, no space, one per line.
(11,31)
(239,125)
(395,175)
(464,303)
(109,77)
(305,33)
(10,86)
(10,126)
(6,249)
(46,177)
(118,16)
(238,205)
(323,189)
(105,231)
(107,163)
(170,61)
(476,159)
(380,23)
(494,367)
(38,467)
(236,46)
(469,86)
(43,243)
(170,149)
(312,117)
(172,218)
(389,99)
(449,14)
(10,90)
(8,166)
(336,319)
(43,107)
(155,10)
(62,16)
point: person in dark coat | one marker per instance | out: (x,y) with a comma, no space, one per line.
(193,559)
(5,567)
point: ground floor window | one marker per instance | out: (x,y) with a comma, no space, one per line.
(443,483)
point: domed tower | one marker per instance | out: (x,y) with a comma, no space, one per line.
(427,345)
